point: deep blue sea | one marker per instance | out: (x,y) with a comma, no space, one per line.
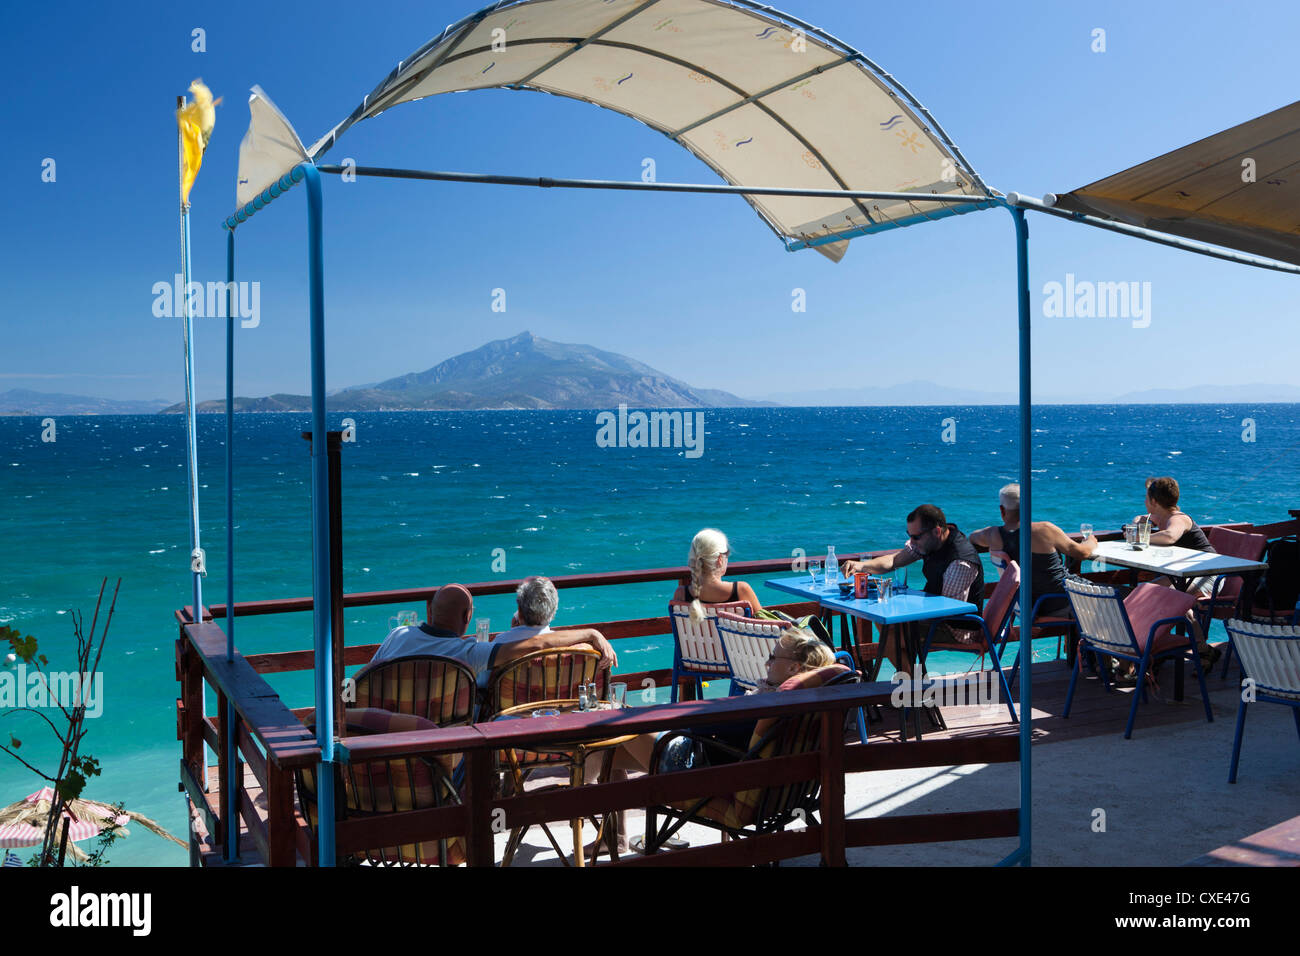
(428,497)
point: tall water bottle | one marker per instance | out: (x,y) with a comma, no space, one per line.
(832,570)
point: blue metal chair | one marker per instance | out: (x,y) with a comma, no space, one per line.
(1270,658)
(697,650)
(992,624)
(1137,628)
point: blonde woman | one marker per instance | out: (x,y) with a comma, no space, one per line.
(798,653)
(708,563)
(799,659)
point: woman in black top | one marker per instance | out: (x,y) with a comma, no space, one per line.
(708,563)
(1173,528)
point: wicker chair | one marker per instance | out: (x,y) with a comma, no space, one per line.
(1138,628)
(380,787)
(697,649)
(540,677)
(1270,657)
(436,688)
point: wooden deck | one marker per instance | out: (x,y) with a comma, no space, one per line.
(1095,714)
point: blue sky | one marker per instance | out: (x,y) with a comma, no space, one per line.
(674,281)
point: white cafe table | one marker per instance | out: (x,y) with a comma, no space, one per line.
(1181,563)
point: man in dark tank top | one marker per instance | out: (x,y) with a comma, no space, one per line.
(1048,542)
(950,566)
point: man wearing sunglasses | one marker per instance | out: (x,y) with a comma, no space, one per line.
(949,563)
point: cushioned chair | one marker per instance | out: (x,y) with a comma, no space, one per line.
(750,812)
(1229,592)
(436,688)
(1270,658)
(697,649)
(1138,628)
(991,634)
(379,787)
(540,677)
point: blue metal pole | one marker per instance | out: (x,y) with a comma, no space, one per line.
(1026,540)
(321,611)
(232,781)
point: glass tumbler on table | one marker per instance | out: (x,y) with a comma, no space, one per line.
(618,695)
(900,579)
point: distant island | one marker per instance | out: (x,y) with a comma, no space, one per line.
(528,372)
(520,372)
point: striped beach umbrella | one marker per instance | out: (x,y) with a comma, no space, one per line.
(23,823)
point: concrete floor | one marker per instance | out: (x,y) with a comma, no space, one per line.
(1159,799)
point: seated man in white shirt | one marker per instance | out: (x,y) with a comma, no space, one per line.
(451,611)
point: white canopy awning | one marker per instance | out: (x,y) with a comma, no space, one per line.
(762,98)
(1239,188)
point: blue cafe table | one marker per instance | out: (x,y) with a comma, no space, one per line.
(904,609)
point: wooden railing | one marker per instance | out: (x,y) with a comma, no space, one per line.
(272,743)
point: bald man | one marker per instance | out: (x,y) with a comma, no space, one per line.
(451,610)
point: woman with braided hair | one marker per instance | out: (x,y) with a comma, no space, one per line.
(708,563)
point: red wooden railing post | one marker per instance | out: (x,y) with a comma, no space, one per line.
(479,847)
(281,825)
(832,798)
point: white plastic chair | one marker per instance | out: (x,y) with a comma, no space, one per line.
(697,648)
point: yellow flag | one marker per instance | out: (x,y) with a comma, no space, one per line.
(196,120)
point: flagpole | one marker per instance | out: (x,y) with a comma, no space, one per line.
(197,563)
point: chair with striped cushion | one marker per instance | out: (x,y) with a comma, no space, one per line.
(1270,658)
(697,649)
(436,688)
(379,787)
(1138,628)
(547,675)
(542,677)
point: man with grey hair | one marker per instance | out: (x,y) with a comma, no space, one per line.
(1047,541)
(451,610)
(536,602)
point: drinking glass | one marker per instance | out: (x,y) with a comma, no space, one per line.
(885,589)
(618,695)
(1085,529)
(814,568)
(1144,535)
(900,579)
(584,702)
(483,628)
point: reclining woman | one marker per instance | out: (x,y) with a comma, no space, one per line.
(800,659)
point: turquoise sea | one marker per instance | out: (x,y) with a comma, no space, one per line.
(428,497)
